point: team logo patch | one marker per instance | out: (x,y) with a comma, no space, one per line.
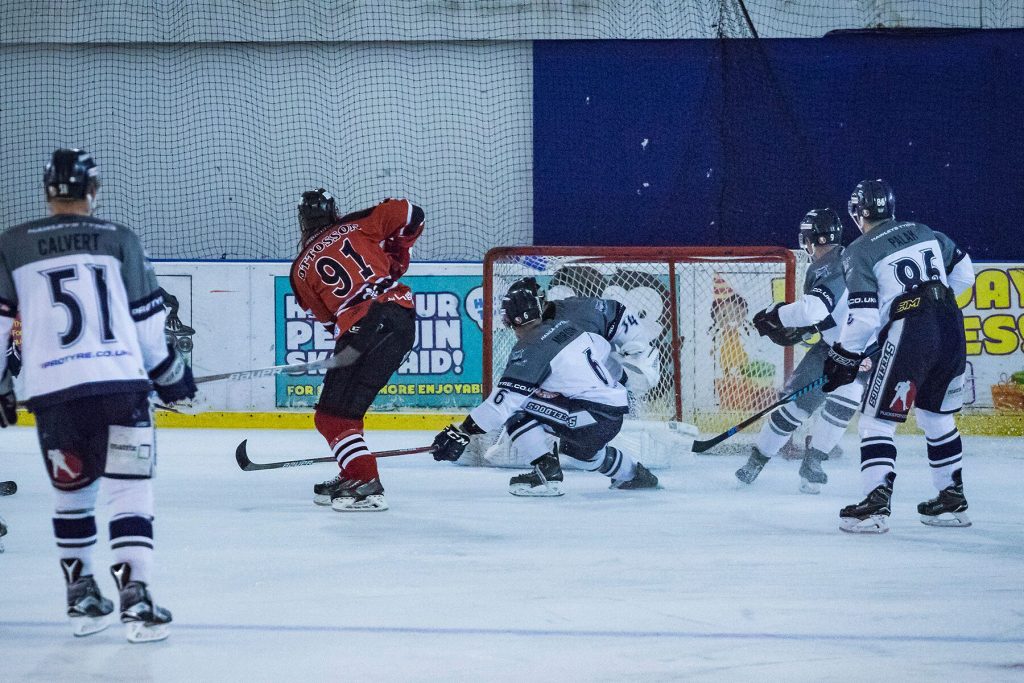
(904,396)
(65,466)
(908,305)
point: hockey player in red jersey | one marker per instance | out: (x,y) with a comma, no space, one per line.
(347,275)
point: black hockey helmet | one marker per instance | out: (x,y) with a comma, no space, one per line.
(316,212)
(523,302)
(70,174)
(871,200)
(820,227)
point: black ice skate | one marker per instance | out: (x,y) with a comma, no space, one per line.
(356,495)
(145,621)
(325,490)
(871,515)
(544,480)
(87,608)
(643,479)
(948,508)
(755,463)
(811,474)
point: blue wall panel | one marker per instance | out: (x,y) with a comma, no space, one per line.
(730,142)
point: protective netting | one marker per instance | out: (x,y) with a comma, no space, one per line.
(695,306)
(208,120)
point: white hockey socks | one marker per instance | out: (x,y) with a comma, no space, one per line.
(131,524)
(945,448)
(877,452)
(779,426)
(74,524)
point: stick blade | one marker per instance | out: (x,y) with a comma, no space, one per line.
(242,457)
(8,488)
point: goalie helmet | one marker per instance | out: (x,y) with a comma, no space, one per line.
(871,200)
(71,174)
(820,227)
(523,303)
(316,212)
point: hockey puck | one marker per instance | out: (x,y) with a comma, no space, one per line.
(8,488)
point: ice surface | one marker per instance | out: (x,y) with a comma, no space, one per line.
(460,581)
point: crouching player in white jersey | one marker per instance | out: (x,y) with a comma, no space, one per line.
(903,278)
(556,384)
(823,303)
(634,358)
(92,348)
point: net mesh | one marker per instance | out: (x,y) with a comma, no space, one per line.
(695,306)
(208,120)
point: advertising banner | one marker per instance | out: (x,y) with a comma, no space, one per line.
(443,370)
(994,326)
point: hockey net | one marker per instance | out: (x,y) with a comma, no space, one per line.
(695,303)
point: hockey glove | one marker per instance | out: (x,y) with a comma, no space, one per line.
(841,368)
(173,378)
(450,443)
(8,402)
(768,324)
(641,366)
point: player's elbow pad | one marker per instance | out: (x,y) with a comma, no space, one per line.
(961,278)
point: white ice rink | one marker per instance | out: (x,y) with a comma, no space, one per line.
(460,581)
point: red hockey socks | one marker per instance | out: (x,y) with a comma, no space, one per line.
(345,437)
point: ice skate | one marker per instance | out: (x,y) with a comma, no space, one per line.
(325,490)
(643,479)
(355,495)
(88,610)
(811,474)
(871,515)
(145,622)
(755,463)
(948,508)
(3,532)
(544,480)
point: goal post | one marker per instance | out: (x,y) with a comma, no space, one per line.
(695,304)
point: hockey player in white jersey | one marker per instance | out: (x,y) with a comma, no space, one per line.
(634,358)
(93,348)
(556,386)
(903,278)
(823,303)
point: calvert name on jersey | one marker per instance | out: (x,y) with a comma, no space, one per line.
(92,313)
(553,358)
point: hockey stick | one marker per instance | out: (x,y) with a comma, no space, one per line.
(8,488)
(328,363)
(347,356)
(242,457)
(700,446)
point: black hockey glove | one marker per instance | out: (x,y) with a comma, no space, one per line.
(841,368)
(450,443)
(8,402)
(768,324)
(173,378)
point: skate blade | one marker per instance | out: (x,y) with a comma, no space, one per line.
(954,519)
(653,487)
(809,487)
(321,499)
(368,504)
(139,632)
(875,524)
(550,490)
(86,626)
